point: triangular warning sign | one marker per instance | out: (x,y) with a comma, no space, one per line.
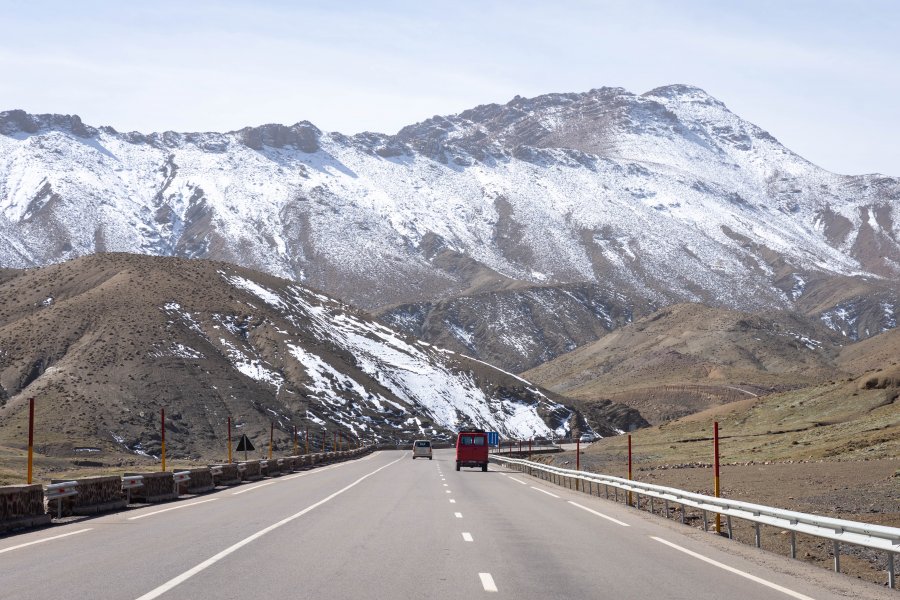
(245,444)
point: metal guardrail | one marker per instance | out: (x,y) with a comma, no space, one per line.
(178,478)
(131,482)
(58,491)
(876,537)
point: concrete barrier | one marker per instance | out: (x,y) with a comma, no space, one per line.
(289,464)
(201,482)
(230,474)
(252,470)
(158,486)
(95,495)
(22,506)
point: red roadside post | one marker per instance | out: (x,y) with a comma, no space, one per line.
(271,437)
(307,439)
(229,440)
(162,421)
(577,462)
(296,442)
(716,473)
(520,447)
(333,441)
(30,438)
(529,448)
(629,467)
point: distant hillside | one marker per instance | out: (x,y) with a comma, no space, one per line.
(103,342)
(687,357)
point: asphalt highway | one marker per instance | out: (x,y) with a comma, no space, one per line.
(388,527)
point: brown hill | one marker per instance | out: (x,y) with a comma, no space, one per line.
(687,357)
(103,342)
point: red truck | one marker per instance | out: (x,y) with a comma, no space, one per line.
(472,449)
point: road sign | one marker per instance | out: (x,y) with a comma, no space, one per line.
(493,438)
(245,444)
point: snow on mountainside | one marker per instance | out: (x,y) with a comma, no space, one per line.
(207,340)
(657,198)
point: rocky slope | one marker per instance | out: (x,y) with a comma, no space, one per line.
(648,199)
(103,342)
(685,358)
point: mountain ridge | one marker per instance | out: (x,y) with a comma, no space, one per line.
(656,199)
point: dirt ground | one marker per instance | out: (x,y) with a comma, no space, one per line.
(867,491)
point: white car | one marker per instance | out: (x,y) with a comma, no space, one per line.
(421,449)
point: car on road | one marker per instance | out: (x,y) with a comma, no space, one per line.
(422,449)
(472,449)
(588,438)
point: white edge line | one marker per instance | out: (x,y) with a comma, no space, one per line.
(544,492)
(156,512)
(487,582)
(55,537)
(594,512)
(255,487)
(759,580)
(159,591)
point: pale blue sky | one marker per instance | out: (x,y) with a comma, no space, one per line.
(822,76)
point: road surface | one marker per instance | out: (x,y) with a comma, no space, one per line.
(388,527)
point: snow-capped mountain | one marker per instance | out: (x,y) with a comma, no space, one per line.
(656,198)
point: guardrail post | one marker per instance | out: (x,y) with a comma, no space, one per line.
(606,489)
(666,502)
(705,521)
(891,582)
(793,544)
(758,540)
(682,514)
(837,556)
(651,504)
(728,522)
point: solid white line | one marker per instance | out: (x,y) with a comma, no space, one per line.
(544,492)
(467,536)
(55,537)
(487,582)
(458,515)
(156,512)
(517,480)
(159,591)
(255,487)
(759,580)
(594,512)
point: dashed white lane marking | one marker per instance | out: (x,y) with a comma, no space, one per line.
(156,512)
(55,537)
(517,480)
(446,485)
(759,580)
(447,491)
(487,582)
(544,492)
(594,512)
(457,515)
(452,501)
(467,536)
(255,487)
(159,591)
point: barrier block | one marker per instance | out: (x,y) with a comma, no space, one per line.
(252,470)
(230,474)
(289,464)
(95,495)
(158,486)
(22,506)
(201,481)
